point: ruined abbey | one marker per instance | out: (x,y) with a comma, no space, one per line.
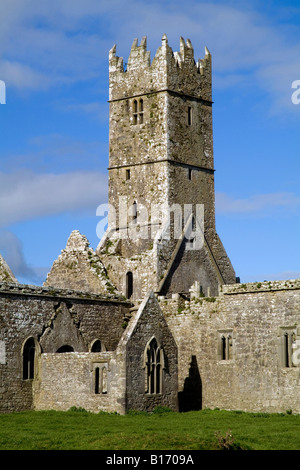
(156,315)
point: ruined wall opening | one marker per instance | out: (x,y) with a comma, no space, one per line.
(96,346)
(28,359)
(100,379)
(65,348)
(129,284)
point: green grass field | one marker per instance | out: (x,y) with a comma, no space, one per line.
(161,430)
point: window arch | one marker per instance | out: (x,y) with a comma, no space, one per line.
(153,365)
(98,346)
(65,348)
(28,359)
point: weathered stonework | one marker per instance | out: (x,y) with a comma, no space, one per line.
(257,316)
(148,321)
(161,154)
(6,274)
(78,268)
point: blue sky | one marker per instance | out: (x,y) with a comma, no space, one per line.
(54,125)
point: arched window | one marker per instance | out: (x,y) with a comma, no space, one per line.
(65,348)
(96,346)
(153,364)
(129,284)
(28,359)
(141,111)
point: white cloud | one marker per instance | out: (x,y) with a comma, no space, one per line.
(28,195)
(12,250)
(68,40)
(257,204)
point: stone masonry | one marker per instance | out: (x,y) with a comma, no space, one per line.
(148,318)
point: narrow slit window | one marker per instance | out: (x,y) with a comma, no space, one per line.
(129,285)
(190,173)
(134,213)
(97,380)
(135,112)
(127,175)
(190,116)
(141,111)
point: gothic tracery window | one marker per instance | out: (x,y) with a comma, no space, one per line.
(153,364)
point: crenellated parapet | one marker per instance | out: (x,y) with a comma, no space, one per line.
(173,71)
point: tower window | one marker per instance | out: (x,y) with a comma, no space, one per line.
(127,174)
(189,115)
(135,112)
(138,111)
(134,213)
(129,285)
(190,173)
(141,111)
(28,359)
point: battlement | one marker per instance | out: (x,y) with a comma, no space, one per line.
(176,71)
(266,286)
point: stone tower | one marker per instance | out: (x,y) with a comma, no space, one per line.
(161,175)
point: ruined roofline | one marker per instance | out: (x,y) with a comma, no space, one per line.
(58,293)
(256,287)
(139,56)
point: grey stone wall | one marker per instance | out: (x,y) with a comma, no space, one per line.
(256,317)
(53,318)
(68,380)
(147,324)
